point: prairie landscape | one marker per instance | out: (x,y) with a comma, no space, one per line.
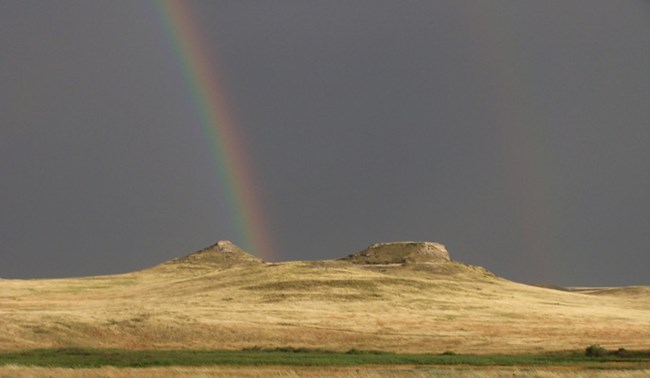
(406,297)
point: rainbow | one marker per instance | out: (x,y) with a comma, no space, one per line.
(209,97)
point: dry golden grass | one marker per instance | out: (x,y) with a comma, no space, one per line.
(228,300)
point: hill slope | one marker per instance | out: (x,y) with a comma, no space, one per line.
(405,297)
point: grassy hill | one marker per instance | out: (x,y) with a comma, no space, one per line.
(401,297)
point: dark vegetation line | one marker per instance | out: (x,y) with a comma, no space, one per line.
(88,358)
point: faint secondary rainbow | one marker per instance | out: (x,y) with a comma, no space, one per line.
(208,95)
(526,151)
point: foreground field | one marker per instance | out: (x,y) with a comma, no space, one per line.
(402,298)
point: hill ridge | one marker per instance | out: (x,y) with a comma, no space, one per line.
(399,296)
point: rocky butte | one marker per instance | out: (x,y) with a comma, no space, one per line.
(401,253)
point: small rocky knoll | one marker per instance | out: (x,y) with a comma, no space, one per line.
(224,253)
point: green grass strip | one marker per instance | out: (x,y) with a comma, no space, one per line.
(89,358)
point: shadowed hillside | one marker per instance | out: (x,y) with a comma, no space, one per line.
(404,297)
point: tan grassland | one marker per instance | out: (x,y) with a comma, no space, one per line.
(223,298)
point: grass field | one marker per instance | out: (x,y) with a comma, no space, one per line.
(89,358)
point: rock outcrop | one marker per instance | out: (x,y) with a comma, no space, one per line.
(401,253)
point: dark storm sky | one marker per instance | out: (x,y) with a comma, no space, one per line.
(517,133)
